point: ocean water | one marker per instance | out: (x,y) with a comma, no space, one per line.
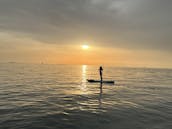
(58,97)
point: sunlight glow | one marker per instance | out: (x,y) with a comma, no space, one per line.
(85,47)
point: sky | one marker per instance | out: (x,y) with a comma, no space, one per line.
(118,32)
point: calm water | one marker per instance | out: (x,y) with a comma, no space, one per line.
(58,97)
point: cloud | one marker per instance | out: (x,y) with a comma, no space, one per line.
(132,24)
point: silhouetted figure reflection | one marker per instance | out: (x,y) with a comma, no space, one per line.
(100,94)
(101,73)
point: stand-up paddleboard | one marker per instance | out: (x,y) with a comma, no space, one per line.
(98,81)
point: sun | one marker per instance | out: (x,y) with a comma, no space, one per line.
(85,47)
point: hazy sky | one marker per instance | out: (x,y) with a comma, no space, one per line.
(119,32)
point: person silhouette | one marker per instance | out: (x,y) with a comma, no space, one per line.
(101,73)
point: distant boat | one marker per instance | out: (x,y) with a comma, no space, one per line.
(12,62)
(98,81)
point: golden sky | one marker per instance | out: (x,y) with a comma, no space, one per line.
(32,52)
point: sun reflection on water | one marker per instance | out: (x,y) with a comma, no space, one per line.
(84,71)
(84,77)
(82,87)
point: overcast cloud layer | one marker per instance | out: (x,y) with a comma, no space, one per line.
(133,24)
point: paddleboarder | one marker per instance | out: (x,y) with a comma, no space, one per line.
(101,73)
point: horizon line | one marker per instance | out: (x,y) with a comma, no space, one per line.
(117,66)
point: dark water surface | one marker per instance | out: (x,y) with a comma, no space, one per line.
(58,97)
